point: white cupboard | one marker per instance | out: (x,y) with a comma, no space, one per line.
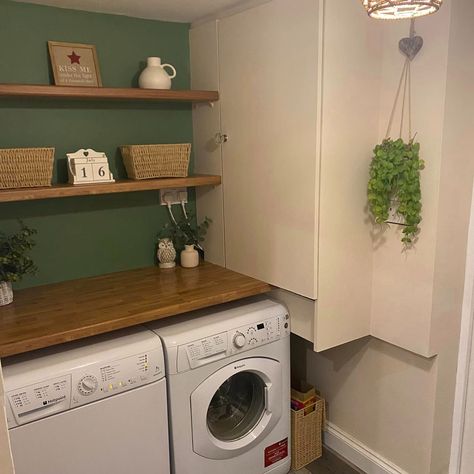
(268,62)
(299,105)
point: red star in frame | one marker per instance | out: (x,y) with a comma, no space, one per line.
(74,58)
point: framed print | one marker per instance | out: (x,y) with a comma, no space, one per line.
(74,64)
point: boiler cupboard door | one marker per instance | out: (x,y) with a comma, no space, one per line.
(268,83)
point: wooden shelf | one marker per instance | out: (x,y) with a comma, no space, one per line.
(121,186)
(105,93)
(52,314)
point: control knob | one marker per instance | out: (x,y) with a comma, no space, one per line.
(87,385)
(239,340)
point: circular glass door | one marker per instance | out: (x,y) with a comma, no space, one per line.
(236,407)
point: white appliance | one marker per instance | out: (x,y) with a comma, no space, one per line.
(228,373)
(97,406)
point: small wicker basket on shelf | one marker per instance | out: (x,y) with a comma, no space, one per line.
(26,167)
(156,161)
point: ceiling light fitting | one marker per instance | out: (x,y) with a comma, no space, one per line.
(400,9)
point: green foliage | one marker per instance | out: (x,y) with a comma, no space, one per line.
(395,177)
(14,262)
(185,232)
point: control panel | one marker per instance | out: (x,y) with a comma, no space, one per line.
(39,400)
(217,346)
(81,386)
(259,333)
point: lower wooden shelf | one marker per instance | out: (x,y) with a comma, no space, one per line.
(52,314)
(121,186)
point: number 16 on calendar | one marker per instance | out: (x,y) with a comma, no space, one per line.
(88,166)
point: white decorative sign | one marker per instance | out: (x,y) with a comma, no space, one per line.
(88,166)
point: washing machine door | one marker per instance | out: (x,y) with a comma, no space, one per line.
(236,407)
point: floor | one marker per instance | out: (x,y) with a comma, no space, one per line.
(329,463)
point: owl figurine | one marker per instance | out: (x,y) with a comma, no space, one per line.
(166,253)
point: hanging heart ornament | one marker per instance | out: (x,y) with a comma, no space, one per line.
(410,47)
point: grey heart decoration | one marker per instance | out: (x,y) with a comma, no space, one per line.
(410,47)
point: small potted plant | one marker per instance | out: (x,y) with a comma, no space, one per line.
(395,180)
(14,260)
(187,239)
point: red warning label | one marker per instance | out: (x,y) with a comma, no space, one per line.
(276,452)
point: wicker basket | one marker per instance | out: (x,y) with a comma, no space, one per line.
(156,161)
(6,293)
(306,434)
(26,167)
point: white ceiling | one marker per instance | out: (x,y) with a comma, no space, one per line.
(169,10)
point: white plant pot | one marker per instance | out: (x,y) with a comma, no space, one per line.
(6,293)
(189,257)
(154,75)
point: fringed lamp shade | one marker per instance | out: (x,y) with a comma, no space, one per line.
(400,9)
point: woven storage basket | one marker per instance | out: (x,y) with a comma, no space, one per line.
(6,293)
(156,161)
(306,434)
(26,167)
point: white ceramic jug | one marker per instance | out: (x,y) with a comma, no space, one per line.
(154,75)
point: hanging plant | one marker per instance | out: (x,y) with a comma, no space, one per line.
(395,177)
(395,168)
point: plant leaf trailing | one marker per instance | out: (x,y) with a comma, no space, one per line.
(185,232)
(395,177)
(14,261)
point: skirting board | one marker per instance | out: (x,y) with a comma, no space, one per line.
(357,453)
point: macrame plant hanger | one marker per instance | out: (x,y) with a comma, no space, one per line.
(410,47)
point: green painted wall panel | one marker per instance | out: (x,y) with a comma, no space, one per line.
(97,234)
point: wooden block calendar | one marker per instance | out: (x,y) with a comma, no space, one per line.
(88,166)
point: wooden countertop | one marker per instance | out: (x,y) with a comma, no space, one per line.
(52,314)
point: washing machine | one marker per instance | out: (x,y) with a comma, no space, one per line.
(228,374)
(97,406)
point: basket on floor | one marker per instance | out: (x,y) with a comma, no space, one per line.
(306,434)
(26,167)
(156,161)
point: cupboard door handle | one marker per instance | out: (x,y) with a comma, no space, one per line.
(221,138)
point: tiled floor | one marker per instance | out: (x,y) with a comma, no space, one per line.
(329,464)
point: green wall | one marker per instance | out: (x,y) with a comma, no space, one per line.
(86,236)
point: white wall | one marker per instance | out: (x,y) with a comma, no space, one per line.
(467,459)
(377,393)
(402,288)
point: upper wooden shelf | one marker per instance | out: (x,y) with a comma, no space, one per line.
(106,93)
(120,186)
(52,314)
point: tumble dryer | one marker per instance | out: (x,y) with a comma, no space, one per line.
(228,373)
(97,405)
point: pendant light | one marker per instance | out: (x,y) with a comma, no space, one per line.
(400,9)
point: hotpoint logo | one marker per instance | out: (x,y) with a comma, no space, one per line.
(54,400)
